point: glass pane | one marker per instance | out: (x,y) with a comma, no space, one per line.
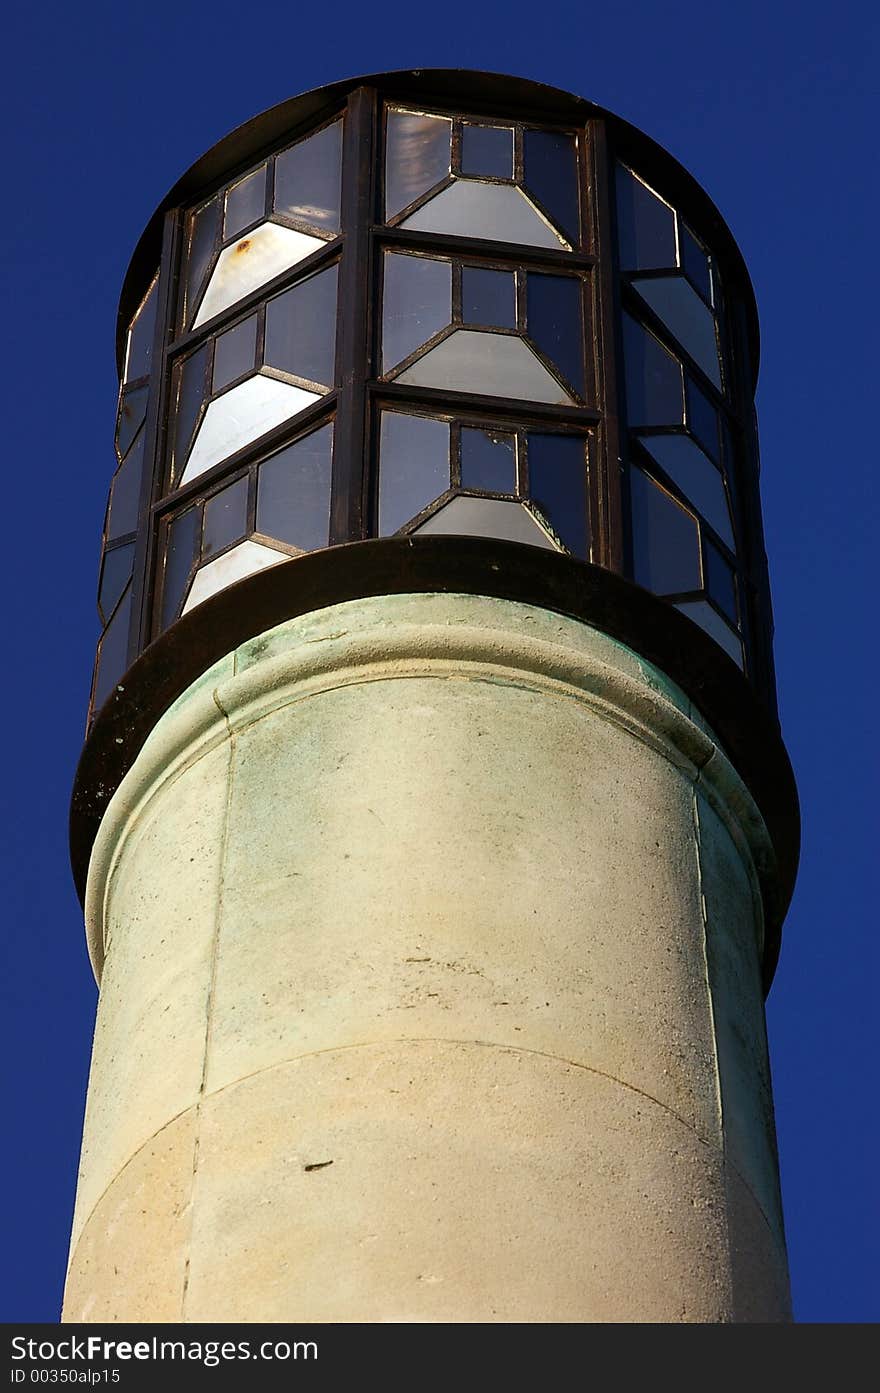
(417,302)
(685,315)
(225,518)
(710,620)
(413,467)
(498,365)
(301,329)
(653,379)
(666,548)
(113,653)
(487,150)
(417,156)
(141,335)
(251,262)
(244,560)
(558,487)
(234,352)
(191,392)
(125,493)
(645,226)
(204,236)
(550,173)
(180,553)
(132,410)
(695,262)
(488,460)
(115,575)
(308,177)
(488,517)
(696,476)
(470,209)
(241,415)
(293,492)
(245,203)
(555,323)
(702,419)
(720,581)
(488,297)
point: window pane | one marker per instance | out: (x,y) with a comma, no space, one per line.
(132,410)
(243,560)
(417,156)
(413,467)
(241,415)
(115,575)
(245,203)
(558,487)
(695,262)
(710,620)
(113,655)
(696,476)
(487,517)
(301,330)
(550,173)
(702,419)
(720,581)
(488,460)
(225,517)
(666,549)
(498,211)
(645,226)
(687,317)
(308,178)
(293,492)
(234,352)
(180,553)
(487,150)
(141,335)
(251,262)
(498,365)
(555,323)
(417,303)
(125,493)
(204,236)
(488,297)
(191,392)
(653,379)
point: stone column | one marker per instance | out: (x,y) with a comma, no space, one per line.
(429,932)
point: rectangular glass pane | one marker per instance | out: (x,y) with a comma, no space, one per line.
(141,335)
(204,237)
(125,493)
(225,519)
(695,262)
(132,410)
(293,492)
(301,330)
(234,353)
(557,467)
(488,297)
(666,548)
(245,203)
(554,322)
(308,179)
(551,176)
(702,419)
(180,554)
(487,150)
(417,156)
(191,391)
(417,302)
(720,581)
(654,395)
(413,467)
(115,575)
(645,226)
(488,460)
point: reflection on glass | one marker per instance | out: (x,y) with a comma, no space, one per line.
(488,460)
(293,492)
(245,203)
(308,178)
(653,379)
(645,226)
(550,173)
(555,323)
(234,352)
(710,620)
(417,156)
(113,652)
(696,476)
(488,297)
(301,329)
(498,211)
(487,150)
(132,410)
(241,415)
(499,365)
(702,419)
(204,234)
(125,493)
(558,487)
(666,548)
(180,553)
(243,560)
(225,517)
(687,317)
(115,575)
(191,392)
(413,467)
(417,302)
(141,335)
(720,581)
(251,262)
(694,261)
(488,517)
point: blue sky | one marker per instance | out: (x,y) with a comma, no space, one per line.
(768,106)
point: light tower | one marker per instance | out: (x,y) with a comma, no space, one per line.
(433,827)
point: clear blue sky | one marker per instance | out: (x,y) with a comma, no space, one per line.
(768,105)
